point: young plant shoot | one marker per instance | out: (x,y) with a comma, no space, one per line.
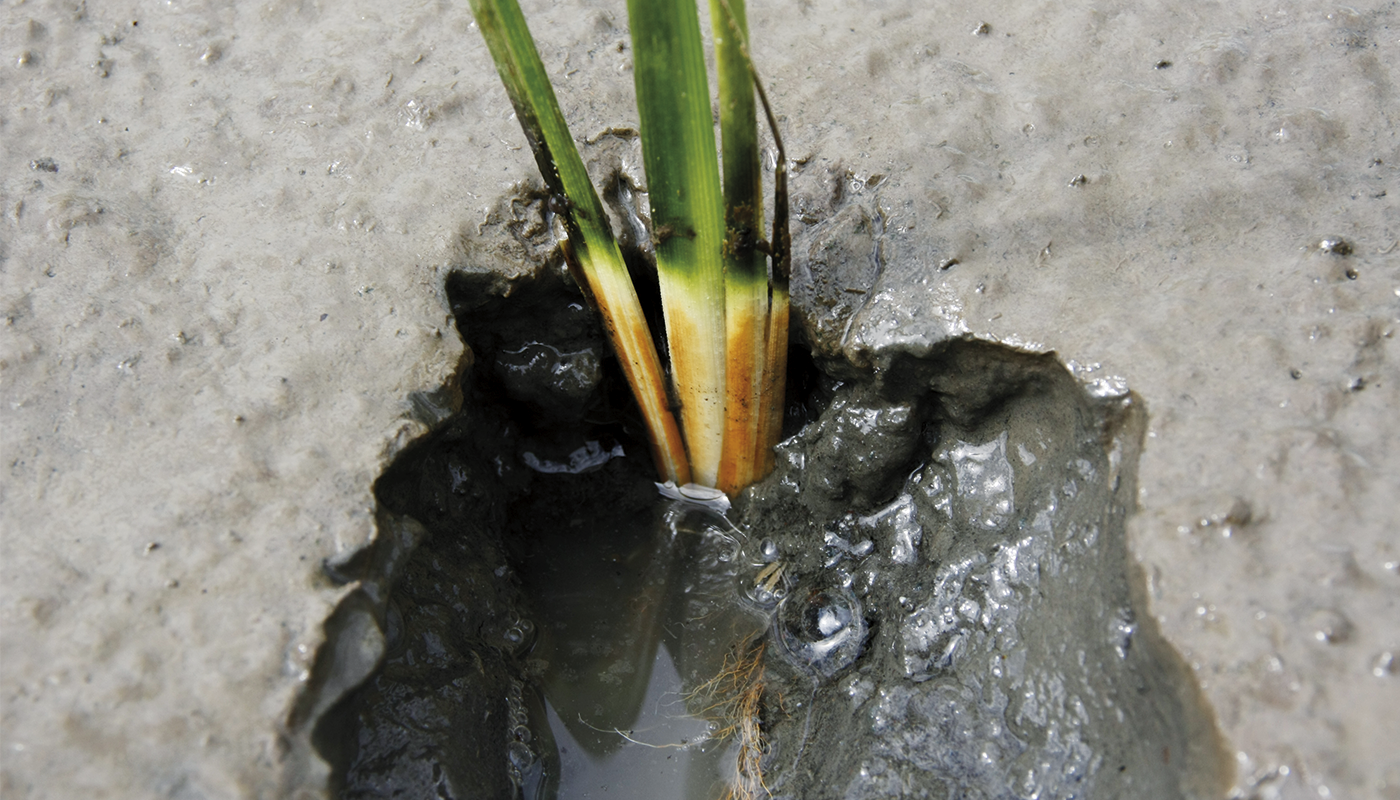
(726,324)
(687,214)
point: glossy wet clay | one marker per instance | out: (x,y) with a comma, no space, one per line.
(930,596)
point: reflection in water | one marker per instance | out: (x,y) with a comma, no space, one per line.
(631,717)
(662,749)
(599,593)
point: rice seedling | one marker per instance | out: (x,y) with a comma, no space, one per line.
(724,304)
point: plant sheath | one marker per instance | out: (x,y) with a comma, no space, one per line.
(682,168)
(745,264)
(770,370)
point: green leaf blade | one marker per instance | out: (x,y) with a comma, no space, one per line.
(682,167)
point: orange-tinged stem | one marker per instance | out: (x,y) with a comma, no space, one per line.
(743,373)
(687,213)
(745,265)
(615,298)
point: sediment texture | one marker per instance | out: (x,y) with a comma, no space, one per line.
(224,237)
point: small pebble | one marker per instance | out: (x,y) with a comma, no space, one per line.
(1337,246)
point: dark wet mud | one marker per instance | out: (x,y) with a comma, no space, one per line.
(930,597)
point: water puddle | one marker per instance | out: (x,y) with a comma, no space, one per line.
(661,753)
(930,596)
(632,605)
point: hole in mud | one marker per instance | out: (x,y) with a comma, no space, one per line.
(931,596)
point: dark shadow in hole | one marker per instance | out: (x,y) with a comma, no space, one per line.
(1006,648)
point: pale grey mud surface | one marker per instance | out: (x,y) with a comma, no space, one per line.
(224,232)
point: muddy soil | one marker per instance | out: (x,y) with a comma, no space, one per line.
(934,580)
(1008,653)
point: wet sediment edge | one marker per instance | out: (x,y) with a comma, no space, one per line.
(512,242)
(353,642)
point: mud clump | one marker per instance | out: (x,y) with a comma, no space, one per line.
(1008,656)
(947,606)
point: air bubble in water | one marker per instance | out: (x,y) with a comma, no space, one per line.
(821,630)
(521,758)
(521,635)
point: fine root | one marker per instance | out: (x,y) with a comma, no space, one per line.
(734,700)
